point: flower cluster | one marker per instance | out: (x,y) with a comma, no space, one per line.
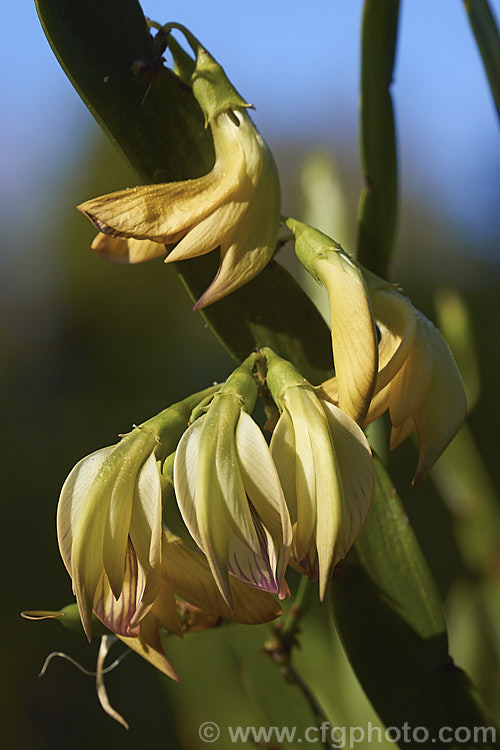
(250,508)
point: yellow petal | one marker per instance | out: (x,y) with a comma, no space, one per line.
(410,386)
(399,434)
(251,244)
(165,607)
(260,479)
(441,415)
(329,498)
(82,515)
(284,456)
(355,466)
(353,333)
(307,429)
(120,614)
(75,495)
(146,528)
(210,232)
(379,404)
(218,450)
(117,527)
(148,645)
(127,251)
(329,391)
(397,324)
(161,212)
(123,465)
(185,471)
(42,614)
(200,497)
(188,571)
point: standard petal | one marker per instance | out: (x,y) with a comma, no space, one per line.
(127,251)
(257,155)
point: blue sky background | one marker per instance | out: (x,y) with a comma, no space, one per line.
(299,64)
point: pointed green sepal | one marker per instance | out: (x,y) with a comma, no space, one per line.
(311,245)
(184,65)
(281,375)
(242,384)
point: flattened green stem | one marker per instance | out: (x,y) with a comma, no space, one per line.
(485,30)
(378,203)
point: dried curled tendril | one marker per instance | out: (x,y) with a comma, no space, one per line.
(107,642)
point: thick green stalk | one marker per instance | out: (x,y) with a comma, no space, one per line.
(485,30)
(378,203)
